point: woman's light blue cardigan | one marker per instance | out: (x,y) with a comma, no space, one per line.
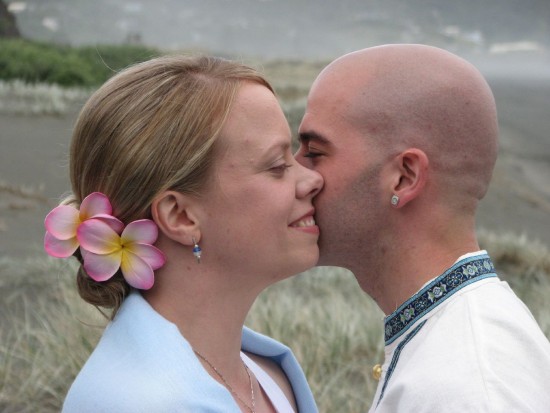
(143,364)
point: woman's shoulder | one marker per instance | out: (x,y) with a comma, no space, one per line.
(142,364)
(276,373)
(275,353)
(119,377)
(280,363)
(257,343)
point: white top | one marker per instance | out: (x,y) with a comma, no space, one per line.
(464,343)
(271,389)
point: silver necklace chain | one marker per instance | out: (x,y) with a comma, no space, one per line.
(251,408)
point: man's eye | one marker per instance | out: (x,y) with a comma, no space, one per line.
(311,154)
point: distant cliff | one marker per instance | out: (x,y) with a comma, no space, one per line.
(8,27)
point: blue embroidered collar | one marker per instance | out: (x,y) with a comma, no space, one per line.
(461,274)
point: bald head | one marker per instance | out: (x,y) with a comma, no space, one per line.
(419,96)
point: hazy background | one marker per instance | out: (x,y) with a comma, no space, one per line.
(509,40)
(292,28)
(46,330)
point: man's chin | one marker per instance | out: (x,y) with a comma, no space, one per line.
(325,258)
(331,257)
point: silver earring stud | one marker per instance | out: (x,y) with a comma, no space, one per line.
(394,200)
(197,251)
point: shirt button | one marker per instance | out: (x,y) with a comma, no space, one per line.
(377,372)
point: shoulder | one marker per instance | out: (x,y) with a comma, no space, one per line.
(474,351)
(275,371)
(143,364)
(497,319)
(116,378)
(486,312)
(280,363)
(273,351)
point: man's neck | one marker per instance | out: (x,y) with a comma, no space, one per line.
(399,277)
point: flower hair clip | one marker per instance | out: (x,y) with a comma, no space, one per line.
(105,243)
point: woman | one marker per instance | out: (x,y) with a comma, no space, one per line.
(191,154)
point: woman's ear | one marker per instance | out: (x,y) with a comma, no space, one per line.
(411,176)
(173,213)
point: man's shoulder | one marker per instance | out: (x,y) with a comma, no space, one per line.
(472,350)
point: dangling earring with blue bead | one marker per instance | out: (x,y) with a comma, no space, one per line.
(197,251)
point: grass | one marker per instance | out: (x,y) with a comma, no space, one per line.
(335,330)
(291,81)
(87,66)
(47,332)
(18,97)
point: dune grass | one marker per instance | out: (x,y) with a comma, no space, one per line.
(290,79)
(335,330)
(47,332)
(82,66)
(18,97)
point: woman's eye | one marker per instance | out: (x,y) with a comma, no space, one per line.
(280,168)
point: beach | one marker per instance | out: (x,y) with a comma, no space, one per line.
(518,200)
(48,331)
(34,173)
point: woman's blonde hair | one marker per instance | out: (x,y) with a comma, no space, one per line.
(150,128)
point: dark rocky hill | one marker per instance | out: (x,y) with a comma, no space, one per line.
(8,27)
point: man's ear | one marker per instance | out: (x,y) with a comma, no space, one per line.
(411,175)
(174,214)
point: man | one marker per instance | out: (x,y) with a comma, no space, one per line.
(406,138)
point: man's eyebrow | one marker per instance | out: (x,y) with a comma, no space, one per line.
(306,137)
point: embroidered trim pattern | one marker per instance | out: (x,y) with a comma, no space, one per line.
(460,275)
(395,357)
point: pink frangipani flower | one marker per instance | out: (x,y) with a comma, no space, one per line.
(105,251)
(62,223)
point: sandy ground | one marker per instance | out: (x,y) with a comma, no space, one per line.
(34,157)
